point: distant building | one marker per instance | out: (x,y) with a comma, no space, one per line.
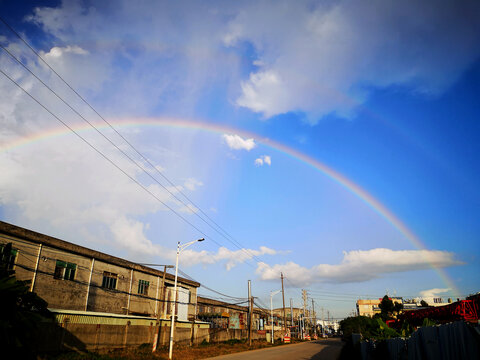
(72,277)
(433,301)
(224,315)
(371,307)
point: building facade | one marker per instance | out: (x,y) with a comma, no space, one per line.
(369,307)
(72,277)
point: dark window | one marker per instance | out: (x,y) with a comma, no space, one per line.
(64,270)
(109,280)
(143,287)
(7,256)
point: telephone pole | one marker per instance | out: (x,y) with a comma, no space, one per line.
(304,295)
(314,316)
(250,315)
(291,314)
(284,314)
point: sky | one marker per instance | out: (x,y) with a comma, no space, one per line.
(336,142)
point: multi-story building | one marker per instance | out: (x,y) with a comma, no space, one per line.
(73,277)
(369,307)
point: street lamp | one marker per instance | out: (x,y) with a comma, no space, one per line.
(272,293)
(172,326)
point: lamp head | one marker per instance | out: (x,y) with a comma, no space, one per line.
(202,239)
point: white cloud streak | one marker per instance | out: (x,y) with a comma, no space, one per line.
(361,265)
(236,142)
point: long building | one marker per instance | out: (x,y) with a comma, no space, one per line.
(73,277)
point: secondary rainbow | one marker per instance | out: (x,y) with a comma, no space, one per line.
(346,183)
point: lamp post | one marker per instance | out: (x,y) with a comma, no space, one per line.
(172,326)
(272,293)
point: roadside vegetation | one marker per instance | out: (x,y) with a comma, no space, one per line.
(21,311)
(375,329)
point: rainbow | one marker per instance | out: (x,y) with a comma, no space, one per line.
(340,179)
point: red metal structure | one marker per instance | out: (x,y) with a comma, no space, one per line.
(460,310)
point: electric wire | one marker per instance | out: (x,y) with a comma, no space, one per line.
(208,288)
(108,159)
(225,234)
(122,151)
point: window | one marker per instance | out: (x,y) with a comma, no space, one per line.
(64,270)
(8,255)
(143,287)
(109,280)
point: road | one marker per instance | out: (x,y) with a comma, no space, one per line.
(312,350)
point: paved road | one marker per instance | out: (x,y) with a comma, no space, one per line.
(313,350)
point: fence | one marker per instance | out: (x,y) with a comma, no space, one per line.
(91,331)
(452,341)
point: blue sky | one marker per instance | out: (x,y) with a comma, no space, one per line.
(384,93)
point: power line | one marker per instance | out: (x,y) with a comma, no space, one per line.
(225,234)
(107,158)
(119,149)
(208,288)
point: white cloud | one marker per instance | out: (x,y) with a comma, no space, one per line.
(264,159)
(267,159)
(361,265)
(192,184)
(433,292)
(57,51)
(236,142)
(327,56)
(259,162)
(231,258)
(317,58)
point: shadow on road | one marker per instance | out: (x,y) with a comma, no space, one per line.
(331,351)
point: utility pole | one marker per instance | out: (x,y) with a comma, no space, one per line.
(314,318)
(323,324)
(163,305)
(284,315)
(291,314)
(250,315)
(304,295)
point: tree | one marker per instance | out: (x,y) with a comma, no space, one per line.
(398,307)
(423,303)
(387,307)
(20,310)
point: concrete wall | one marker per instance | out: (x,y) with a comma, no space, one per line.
(82,331)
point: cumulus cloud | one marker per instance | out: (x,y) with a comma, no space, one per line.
(231,258)
(327,57)
(313,57)
(264,159)
(236,142)
(361,265)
